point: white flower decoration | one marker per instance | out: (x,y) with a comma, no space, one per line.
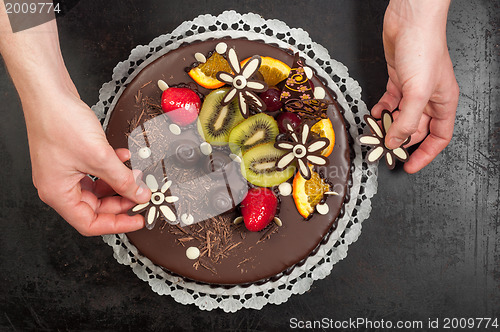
(242,86)
(303,149)
(377,140)
(159,203)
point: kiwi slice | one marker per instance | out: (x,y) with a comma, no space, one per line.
(258,166)
(257,129)
(215,121)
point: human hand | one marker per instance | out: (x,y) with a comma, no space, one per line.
(67,143)
(66,140)
(421,83)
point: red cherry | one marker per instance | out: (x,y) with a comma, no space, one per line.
(258,208)
(182,105)
(287,117)
(271,97)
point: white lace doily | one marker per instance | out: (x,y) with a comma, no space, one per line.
(364,177)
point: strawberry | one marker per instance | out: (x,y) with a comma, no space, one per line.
(182,105)
(258,208)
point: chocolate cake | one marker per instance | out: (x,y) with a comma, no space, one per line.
(194,227)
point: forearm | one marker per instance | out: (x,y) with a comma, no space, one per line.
(34,59)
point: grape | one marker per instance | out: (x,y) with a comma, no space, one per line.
(271,97)
(291,118)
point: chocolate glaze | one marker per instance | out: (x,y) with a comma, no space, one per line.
(263,260)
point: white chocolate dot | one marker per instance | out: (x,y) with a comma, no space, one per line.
(145,152)
(187,219)
(162,85)
(322,208)
(285,189)
(278,221)
(221,48)
(235,158)
(174,129)
(308,71)
(192,253)
(319,93)
(200,57)
(205,148)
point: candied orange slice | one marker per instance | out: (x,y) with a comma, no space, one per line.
(324,128)
(205,73)
(273,70)
(308,193)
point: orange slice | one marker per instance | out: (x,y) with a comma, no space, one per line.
(307,194)
(324,128)
(205,73)
(273,70)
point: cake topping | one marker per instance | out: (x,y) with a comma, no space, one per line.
(324,128)
(377,141)
(243,86)
(271,97)
(311,109)
(162,85)
(257,129)
(309,193)
(216,120)
(174,129)
(273,71)
(187,219)
(159,204)
(144,152)
(297,84)
(204,73)
(221,48)
(319,93)
(322,208)
(192,253)
(258,208)
(181,105)
(205,148)
(303,149)
(200,57)
(259,166)
(285,189)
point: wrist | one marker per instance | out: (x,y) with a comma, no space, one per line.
(34,62)
(428,14)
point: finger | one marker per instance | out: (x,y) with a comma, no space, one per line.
(422,131)
(91,216)
(112,171)
(99,187)
(412,107)
(389,101)
(440,135)
(123,154)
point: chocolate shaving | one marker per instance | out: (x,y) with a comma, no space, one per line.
(215,238)
(267,235)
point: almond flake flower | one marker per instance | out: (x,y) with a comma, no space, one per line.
(303,149)
(377,141)
(242,86)
(159,203)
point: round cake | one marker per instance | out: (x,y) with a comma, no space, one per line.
(247,155)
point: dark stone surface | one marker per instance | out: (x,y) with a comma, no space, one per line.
(431,248)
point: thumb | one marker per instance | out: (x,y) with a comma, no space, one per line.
(411,108)
(124,181)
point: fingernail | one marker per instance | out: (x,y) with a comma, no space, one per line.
(142,194)
(394,143)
